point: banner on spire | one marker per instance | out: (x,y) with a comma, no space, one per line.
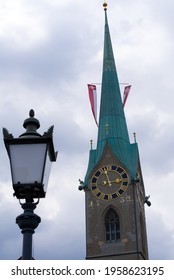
(93,100)
(125,94)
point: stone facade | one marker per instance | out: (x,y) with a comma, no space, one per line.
(130,209)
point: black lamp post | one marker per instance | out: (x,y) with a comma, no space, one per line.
(30,157)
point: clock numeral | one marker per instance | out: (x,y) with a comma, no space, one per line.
(120,191)
(124,175)
(114,195)
(94,190)
(97,174)
(120,170)
(102,169)
(94,180)
(98,194)
(114,167)
(118,194)
(105,168)
(109,196)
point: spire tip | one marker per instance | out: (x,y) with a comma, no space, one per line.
(105,6)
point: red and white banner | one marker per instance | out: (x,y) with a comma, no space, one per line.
(126,93)
(93,100)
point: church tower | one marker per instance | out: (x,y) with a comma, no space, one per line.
(113,185)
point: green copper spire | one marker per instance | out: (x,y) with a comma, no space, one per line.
(112,129)
(111,108)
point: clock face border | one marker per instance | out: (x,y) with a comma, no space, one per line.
(124,182)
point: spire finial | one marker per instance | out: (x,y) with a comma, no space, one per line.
(91,142)
(135,140)
(105,5)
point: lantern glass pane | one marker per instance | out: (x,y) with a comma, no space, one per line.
(27,162)
(47,171)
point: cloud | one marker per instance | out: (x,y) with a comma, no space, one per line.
(159,238)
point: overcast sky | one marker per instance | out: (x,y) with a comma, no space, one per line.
(49,51)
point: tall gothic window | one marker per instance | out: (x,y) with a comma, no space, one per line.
(112,226)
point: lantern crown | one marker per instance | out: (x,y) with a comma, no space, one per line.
(31,125)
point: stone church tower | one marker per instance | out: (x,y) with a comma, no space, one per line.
(113,185)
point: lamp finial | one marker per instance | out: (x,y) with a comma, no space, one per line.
(31,113)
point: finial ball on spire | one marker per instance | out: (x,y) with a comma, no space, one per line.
(105,6)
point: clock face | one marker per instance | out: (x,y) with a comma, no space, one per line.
(109,182)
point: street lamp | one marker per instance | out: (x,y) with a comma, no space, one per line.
(30,157)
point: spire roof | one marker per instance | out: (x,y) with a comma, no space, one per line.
(111,108)
(112,129)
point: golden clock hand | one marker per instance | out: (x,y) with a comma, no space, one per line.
(117,181)
(104,183)
(106,173)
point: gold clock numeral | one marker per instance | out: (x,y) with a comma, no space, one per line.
(105,168)
(118,193)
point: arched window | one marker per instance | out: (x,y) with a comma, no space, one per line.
(112,226)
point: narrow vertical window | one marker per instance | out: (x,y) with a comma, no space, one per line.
(112,226)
